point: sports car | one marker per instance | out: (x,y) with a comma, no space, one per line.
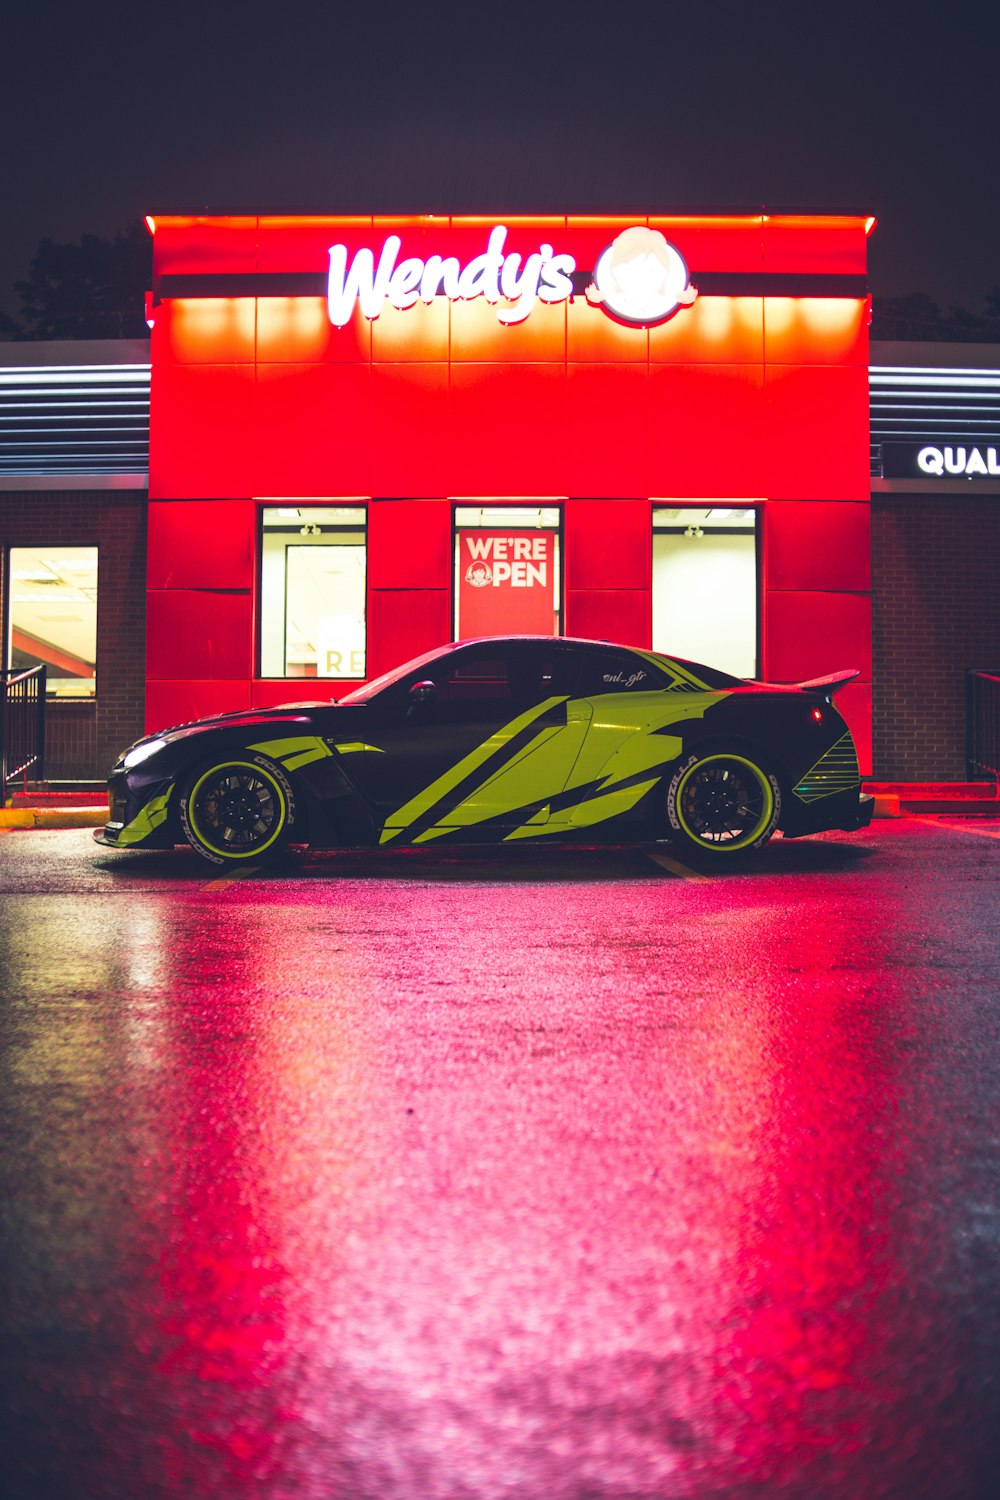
(502,740)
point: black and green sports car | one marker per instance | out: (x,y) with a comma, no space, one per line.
(502,740)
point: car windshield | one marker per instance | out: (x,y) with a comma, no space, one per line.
(379,684)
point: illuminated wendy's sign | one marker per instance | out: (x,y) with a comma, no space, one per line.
(512,287)
(639,278)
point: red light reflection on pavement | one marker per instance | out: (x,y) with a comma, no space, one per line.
(556,1201)
(217,1337)
(222,1313)
(244,1178)
(809,1253)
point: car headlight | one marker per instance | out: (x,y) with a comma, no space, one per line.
(139,753)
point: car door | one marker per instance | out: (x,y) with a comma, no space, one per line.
(459,746)
(621,701)
(639,710)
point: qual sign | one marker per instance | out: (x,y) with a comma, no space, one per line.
(957,460)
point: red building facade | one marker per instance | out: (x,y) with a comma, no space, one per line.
(523,414)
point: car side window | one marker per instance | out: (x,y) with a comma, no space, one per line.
(616,672)
(557,673)
(539,673)
(475,678)
(524,675)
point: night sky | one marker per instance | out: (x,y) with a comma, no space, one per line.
(114,110)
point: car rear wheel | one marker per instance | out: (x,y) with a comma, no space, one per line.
(237,812)
(722,805)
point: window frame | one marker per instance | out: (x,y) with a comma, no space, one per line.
(500,502)
(328,502)
(7,612)
(759,508)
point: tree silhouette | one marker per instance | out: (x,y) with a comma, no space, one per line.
(93,288)
(918,317)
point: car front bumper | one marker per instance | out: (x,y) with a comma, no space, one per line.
(140,818)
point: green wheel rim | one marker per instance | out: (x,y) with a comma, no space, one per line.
(724,803)
(244,789)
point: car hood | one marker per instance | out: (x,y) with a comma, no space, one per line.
(285,714)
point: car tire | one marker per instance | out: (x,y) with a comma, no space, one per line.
(237,811)
(721,805)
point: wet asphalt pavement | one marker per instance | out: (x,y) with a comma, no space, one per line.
(536,1174)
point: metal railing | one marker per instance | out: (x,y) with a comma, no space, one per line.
(22,725)
(982,725)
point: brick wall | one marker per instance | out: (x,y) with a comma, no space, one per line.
(936,612)
(83,739)
(71,739)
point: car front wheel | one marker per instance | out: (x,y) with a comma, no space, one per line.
(237,811)
(721,805)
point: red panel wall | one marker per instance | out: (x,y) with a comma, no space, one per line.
(818,545)
(406,622)
(202,544)
(508,430)
(199,633)
(205,331)
(811,413)
(610,615)
(195,244)
(609,544)
(187,698)
(737,397)
(313,430)
(202,427)
(609,430)
(409,544)
(811,633)
(808,634)
(608,567)
(814,243)
(409,420)
(855,703)
(707,430)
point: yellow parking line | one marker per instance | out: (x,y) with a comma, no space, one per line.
(225,880)
(984,833)
(676,868)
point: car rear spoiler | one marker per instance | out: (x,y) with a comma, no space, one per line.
(827,686)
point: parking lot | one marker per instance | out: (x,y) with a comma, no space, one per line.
(537,1172)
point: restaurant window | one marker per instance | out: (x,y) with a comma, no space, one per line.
(705,585)
(312,591)
(507,563)
(52,616)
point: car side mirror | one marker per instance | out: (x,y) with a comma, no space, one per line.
(423,692)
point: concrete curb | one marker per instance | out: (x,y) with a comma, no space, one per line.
(887,807)
(897,799)
(53,817)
